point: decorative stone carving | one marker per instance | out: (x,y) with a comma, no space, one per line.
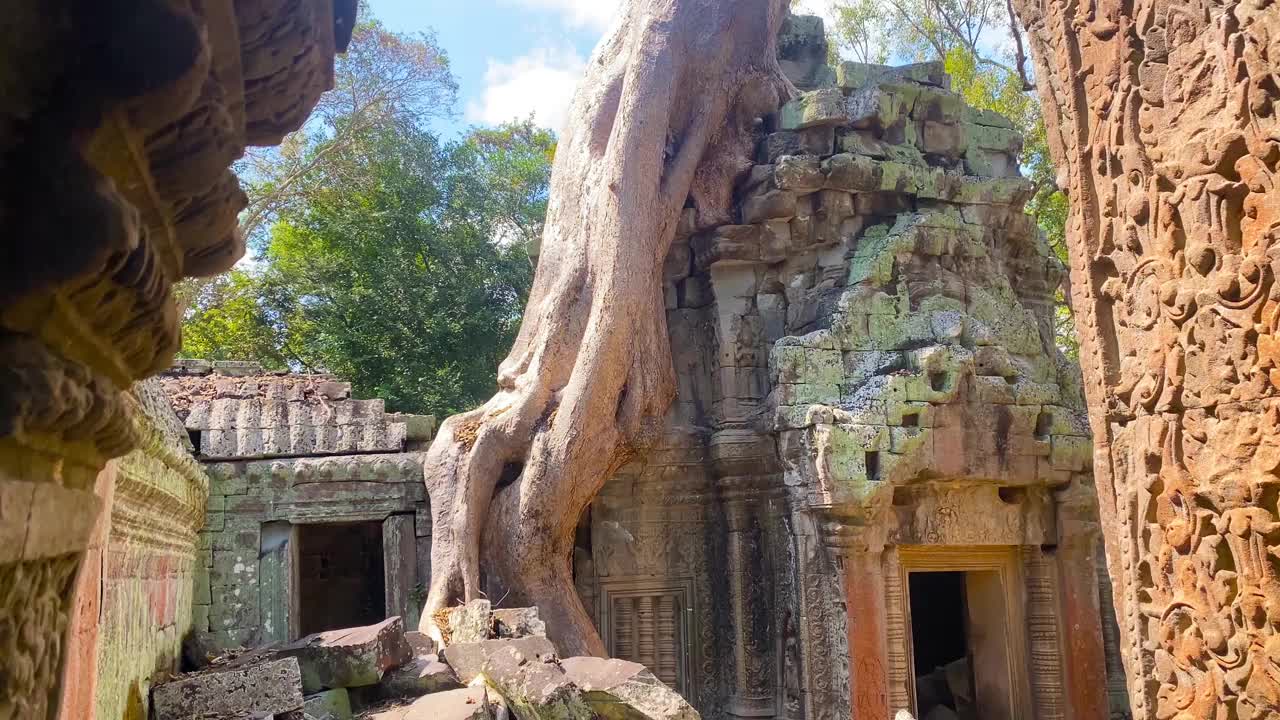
(1161,117)
(116,138)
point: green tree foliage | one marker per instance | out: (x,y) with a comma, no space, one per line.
(968,37)
(404,271)
(382,253)
(226,322)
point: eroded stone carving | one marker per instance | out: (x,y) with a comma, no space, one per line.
(115,139)
(1162,118)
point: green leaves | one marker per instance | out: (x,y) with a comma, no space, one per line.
(384,254)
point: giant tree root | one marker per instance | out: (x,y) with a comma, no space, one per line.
(662,118)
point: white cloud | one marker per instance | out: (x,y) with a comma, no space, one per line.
(540,83)
(595,14)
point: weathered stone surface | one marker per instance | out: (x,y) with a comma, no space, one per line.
(535,687)
(465,704)
(868,384)
(468,660)
(422,675)
(247,421)
(1179,342)
(802,52)
(348,658)
(328,705)
(420,643)
(262,689)
(621,690)
(518,623)
(817,107)
(470,623)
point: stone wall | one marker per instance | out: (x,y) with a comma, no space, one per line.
(285,450)
(135,590)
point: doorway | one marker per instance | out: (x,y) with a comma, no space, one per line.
(940,650)
(959,627)
(341,577)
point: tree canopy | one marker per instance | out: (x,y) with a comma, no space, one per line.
(383,253)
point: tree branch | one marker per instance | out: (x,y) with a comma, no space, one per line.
(1020,54)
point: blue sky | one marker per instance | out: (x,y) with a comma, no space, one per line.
(512,58)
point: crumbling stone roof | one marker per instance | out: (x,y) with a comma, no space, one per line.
(240,410)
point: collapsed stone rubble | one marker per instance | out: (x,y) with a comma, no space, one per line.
(498,665)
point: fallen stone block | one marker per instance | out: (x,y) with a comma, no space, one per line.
(622,690)
(328,705)
(259,690)
(353,657)
(468,659)
(535,688)
(464,704)
(472,622)
(423,675)
(518,623)
(420,643)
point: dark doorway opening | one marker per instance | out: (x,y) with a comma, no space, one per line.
(940,645)
(341,579)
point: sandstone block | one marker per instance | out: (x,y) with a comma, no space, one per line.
(852,173)
(620,690)
(769,205)
(801,173)
(518,623)
(855,75)
(472,622)
(818,107)
(328,705)
(420,676)
(260,689)
(468,660)
(420,643)
(353,657)
(946,139)
(534,687)
(471,703)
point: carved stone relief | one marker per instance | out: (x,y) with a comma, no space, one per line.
(121,127)
(1162,120)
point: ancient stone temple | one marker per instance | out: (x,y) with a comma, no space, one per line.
(875,491)
(317,512)
(118,125)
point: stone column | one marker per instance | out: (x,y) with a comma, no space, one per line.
(898,654)
(400,567)
(738,457)
(1085,657)
(862,569)
(1043,637)
(1162,123)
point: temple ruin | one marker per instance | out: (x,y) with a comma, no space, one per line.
(875,491)
(873,494)
(317,515)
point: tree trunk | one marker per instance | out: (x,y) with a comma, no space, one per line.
(662,118)
(1162,119)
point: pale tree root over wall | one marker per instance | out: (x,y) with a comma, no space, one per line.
(662,119)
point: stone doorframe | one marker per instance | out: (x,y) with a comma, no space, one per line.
(1011,564)
(280,585)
